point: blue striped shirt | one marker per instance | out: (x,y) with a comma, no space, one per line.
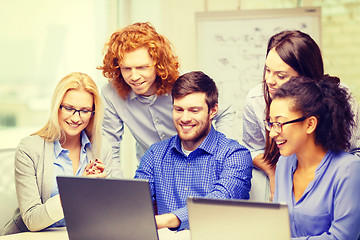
(218,168)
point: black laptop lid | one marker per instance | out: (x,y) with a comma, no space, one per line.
(96,208)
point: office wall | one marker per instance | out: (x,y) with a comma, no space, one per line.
(340,29)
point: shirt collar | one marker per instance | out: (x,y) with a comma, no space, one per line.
(132,95)
(208,145)
(324,162)
(151,99)
(85,142)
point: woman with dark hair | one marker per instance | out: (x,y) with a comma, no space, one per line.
(311,125)
(289,54)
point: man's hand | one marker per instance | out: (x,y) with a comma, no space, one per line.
(167,220)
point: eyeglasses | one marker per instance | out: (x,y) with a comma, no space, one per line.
(278,126)
(140,69)
(83,113)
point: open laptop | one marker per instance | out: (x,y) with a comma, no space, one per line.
(107,208)
(214,219)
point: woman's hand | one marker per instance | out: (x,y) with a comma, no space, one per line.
(95,169)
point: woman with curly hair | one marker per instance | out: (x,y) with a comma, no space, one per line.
(141,68)
(311,123)
(289,54)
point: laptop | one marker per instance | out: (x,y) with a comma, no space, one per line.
(98,208)
(214,219)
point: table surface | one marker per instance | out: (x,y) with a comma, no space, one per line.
(61,234)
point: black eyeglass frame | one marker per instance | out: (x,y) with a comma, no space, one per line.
(77,110)
(269,125)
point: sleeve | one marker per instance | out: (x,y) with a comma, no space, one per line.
(224,120)
(113,130)
(35,214)
(355,136)
(253,137)
(146,170)
(235,177)
(106,157)
(346,220)
(182,215)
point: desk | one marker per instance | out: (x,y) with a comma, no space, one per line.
(61,234)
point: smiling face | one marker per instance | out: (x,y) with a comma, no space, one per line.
(73,124)
(192,119)
(277,72)
(138,71)
(294,136)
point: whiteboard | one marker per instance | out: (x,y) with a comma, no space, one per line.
(231,47)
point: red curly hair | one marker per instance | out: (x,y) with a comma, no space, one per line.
(133,37)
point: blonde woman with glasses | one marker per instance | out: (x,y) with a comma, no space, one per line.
(68,145)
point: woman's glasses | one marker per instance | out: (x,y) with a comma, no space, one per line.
(83,113)
(278,126)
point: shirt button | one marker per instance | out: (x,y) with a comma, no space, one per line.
(162,135)
(189,164)
(156,120)
(186,188)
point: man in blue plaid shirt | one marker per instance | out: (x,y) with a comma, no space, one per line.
(199,161)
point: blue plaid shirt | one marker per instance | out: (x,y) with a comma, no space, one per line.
(218,168)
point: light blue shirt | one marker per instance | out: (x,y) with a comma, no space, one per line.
(218,168)
(63,166)
(149,119)
(329,207)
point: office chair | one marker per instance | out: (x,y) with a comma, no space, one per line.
(8,200)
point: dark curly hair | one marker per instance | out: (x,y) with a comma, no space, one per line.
(326,101)
(133,37)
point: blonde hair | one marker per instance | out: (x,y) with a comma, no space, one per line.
(74,81)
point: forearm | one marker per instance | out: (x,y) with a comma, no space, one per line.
(261,164)
(41,216)
(269,170)
(167,220)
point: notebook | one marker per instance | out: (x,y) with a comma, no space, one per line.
(97,208)
(214,219)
